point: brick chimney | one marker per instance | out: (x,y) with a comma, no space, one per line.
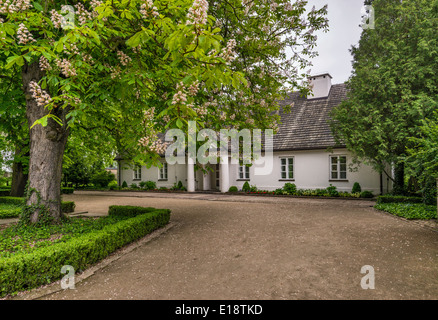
(320,85)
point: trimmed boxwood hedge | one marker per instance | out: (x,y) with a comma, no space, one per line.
(66,206)
(25,271)
(128,211)
(398,199)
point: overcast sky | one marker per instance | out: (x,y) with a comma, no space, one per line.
(344,31)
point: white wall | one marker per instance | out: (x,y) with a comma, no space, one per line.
(311,171)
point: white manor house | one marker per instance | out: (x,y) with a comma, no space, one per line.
(304,153)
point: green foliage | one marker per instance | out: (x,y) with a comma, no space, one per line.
(102,179)
(67,206)
(356,188)
(113,185)
(9,210)
(148,185)
(398,199)
(32,267)
(366,194)
(5,192)
(290,188)
(179,186)
(128,211)
(124,184)
(393,88)
(66,190)
(246,187)
(409,210)
(133,186)
(233,189)
(331,190)
(253,188)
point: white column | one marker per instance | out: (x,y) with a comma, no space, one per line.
(206,181)
(190,175)
(224,173)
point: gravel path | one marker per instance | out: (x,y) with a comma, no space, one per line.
(241,247)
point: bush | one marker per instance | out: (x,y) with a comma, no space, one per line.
(124,184)
(398,199)
(65,190)
(253,189)
(102,179)
(290,188)
(148,185)
(24,271)
(246,187)
(113,185)
(409,210)
(9,210)
(356,188)
(233,189)
(5,192)
(332,192)
(133,186)
(366,194)
(67,206)
(128,211)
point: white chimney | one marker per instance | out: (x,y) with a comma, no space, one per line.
(320,86)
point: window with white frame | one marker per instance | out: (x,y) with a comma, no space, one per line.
(137,172)
(338,167)
(163,171)
(244,172)
(287,168)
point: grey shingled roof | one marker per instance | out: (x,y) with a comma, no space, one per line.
(306,126)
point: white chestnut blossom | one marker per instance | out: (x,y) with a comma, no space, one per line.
(24,36)
(44,64)
(148,10)
(66,68)
(198,12)
(42,97)
(123,58)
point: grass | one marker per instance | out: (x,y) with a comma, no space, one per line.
(14,239)
(409,210)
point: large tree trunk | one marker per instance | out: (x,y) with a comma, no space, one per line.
(19,178)
(47,146)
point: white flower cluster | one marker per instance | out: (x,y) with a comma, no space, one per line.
(228,52)
(198,12)
(44,64)
(56,18)
(83,14)
(73,49)
(9,6)
(24,36)
(115,72)
(149,114)
(153,144)
(148,10)
(194,88)
(124,59)
(94,4)
(179,96)
(42,98)
(66,68)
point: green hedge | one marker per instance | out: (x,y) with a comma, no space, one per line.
(398,199)
(42,266)
(4,192)
(9,211)
(128,211)
(65,190)
(66,206)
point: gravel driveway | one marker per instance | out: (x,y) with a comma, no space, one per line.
(242,247)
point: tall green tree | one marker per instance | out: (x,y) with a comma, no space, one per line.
(393,87)
(159,63)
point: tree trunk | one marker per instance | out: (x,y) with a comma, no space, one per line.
(47,146)
(19,178)
(399,179)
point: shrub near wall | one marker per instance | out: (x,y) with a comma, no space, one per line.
(25,271)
